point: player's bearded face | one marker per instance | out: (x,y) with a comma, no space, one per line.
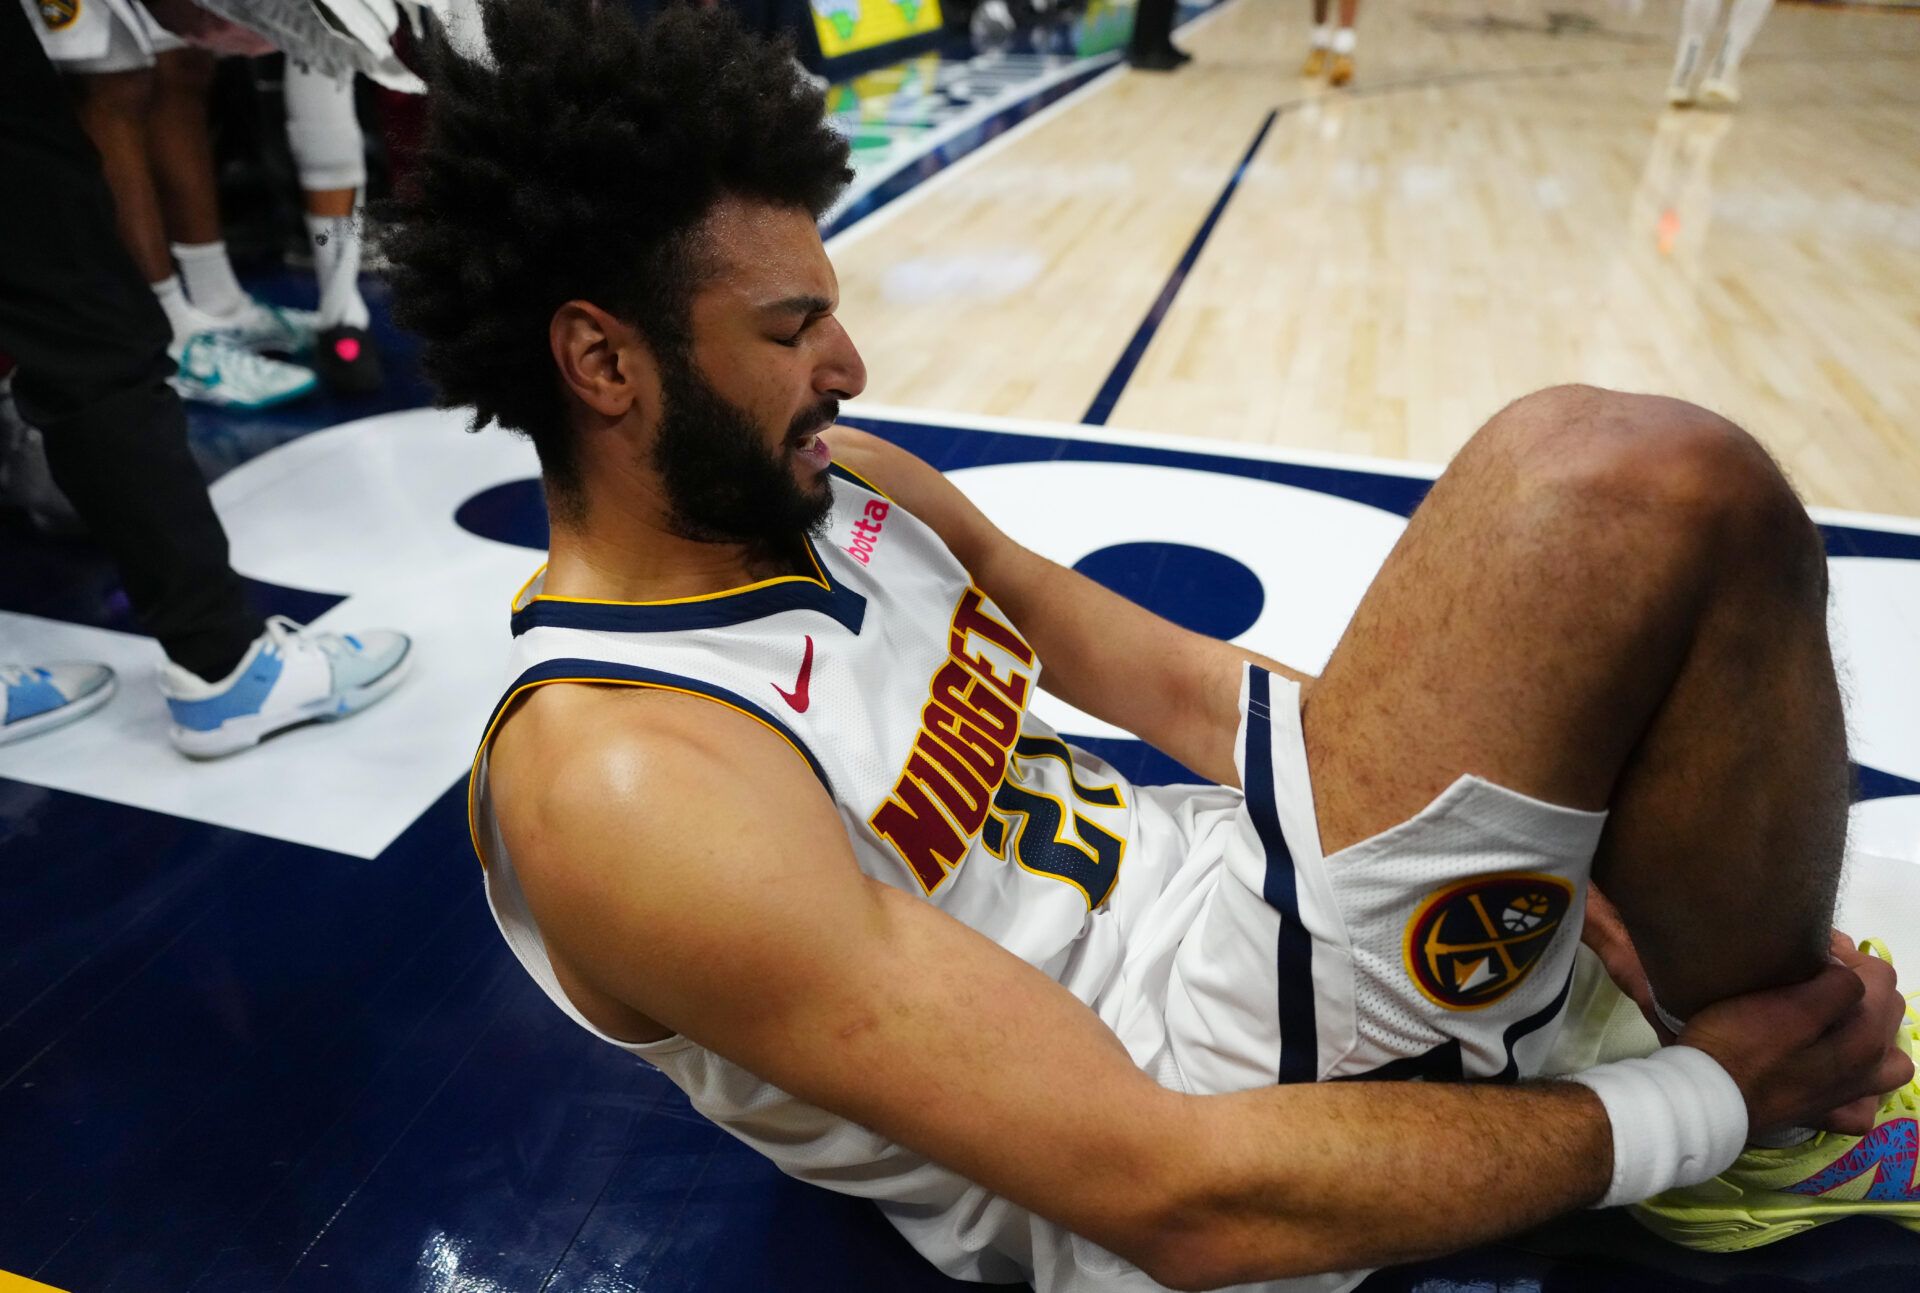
(725,482)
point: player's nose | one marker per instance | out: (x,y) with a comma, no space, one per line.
(842,373)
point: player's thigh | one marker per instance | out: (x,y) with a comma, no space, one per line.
(1536,610)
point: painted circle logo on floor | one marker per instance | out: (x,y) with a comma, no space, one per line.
(1472,943)
(514,512)
(1197,588)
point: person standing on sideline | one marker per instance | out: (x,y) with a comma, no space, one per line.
(1693,80)
(141,94)
(1332,52)
(1151,49)
(90,341)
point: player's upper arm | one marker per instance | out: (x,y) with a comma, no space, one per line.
(684,862)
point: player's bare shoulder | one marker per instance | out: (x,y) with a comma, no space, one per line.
(577,759)
(624,810)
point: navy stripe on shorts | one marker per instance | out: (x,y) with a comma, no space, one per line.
(1299,1031)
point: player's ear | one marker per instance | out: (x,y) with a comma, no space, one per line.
(601,359)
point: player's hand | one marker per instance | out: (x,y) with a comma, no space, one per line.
(1816,1054)
(1607,935)
(1878,977)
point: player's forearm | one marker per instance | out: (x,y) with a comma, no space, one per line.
(1120,662)
(1339,1176)
(1101,652)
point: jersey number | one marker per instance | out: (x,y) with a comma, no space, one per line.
(1034,824)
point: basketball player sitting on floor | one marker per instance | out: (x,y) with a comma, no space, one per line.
(764,804)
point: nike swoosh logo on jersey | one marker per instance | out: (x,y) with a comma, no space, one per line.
(798,697)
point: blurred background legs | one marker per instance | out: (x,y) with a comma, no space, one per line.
(1331,54)
(329,152)
(1714,81)
(90,341)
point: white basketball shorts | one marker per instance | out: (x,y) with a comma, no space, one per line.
(91,36)
(1442,948)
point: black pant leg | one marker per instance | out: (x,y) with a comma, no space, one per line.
(1152,27)
(90,347)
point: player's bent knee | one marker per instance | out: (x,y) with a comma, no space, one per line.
(1647,460)
(1726,485)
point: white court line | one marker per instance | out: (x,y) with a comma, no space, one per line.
(1271,453)
(1148,439)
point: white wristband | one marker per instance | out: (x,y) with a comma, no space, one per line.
(1678,1119)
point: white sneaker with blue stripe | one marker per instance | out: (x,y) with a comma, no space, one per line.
(40,698)
(292,676)
(216,369)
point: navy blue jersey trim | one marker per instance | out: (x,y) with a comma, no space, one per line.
(833,600)
(1441,1064)
(851,476)
(1533,1023)
(573,670)
(1299,1026)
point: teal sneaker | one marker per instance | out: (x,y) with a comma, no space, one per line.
(216,369)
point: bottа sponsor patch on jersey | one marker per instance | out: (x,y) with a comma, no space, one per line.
(866,531)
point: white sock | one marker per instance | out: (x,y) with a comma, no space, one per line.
(1697,19)
(209,277)
(1343,41)
(173,301)
(1742,27)
(1323,36)
(336,268)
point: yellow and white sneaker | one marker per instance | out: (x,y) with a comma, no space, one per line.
(1316,64)
(1772,1194)
(1342,70)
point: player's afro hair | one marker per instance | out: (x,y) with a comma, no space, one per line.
(577,165)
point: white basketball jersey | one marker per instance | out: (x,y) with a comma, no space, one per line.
(905,689)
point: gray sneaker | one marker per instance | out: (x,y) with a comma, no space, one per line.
(40,698)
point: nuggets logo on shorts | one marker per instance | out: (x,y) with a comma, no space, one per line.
(59,15)
(1473,942)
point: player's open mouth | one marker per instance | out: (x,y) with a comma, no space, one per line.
(812,449)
